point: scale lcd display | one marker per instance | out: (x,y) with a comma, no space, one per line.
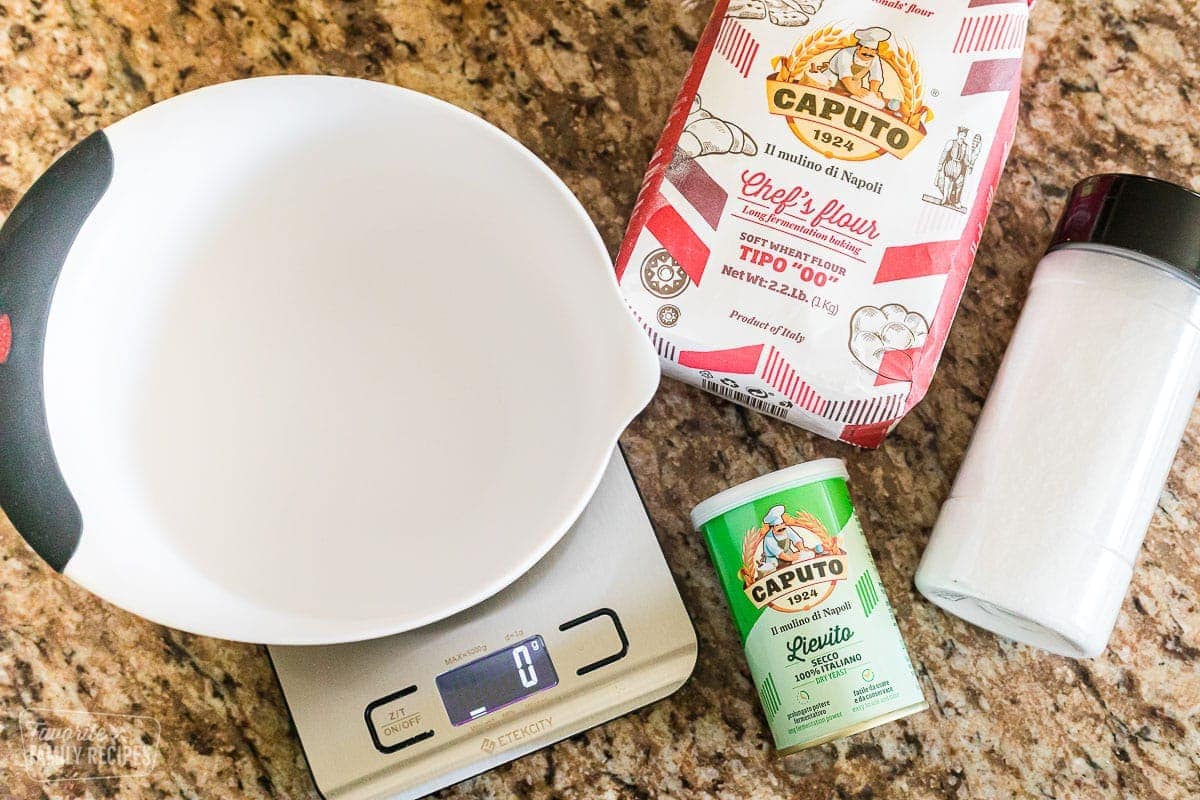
(497,680)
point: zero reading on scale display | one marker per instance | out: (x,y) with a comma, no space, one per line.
(496,680)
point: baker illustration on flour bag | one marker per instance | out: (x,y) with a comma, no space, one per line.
(856,71)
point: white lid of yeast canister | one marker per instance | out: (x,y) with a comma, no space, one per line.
(798,475)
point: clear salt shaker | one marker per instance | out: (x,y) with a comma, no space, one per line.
(1038,539)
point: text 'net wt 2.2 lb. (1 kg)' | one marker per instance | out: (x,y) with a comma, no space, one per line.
(807,223)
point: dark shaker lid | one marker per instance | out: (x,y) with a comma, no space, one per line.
(1146,215)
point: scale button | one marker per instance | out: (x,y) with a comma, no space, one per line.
(605,653)
(397,721)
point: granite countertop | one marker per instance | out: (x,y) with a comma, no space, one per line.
(1109,85)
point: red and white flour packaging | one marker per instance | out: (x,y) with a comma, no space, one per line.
(806,226)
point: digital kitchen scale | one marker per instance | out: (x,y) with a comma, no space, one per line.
(594,630)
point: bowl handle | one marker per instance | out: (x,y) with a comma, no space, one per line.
(34,243)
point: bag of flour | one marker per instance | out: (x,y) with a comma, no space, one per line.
(807,223)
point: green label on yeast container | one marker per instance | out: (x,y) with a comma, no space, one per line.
(823,647)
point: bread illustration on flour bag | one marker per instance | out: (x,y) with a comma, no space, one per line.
(704,134)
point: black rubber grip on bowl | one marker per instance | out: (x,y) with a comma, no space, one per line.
(34,244)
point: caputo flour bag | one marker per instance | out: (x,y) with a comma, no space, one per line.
(807,223)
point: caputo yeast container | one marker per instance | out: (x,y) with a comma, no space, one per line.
(823,647)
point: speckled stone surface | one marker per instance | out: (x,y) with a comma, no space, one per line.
(1109,84)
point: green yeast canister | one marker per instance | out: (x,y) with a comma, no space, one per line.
(818,632)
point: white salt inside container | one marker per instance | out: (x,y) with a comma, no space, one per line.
(1038,539)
